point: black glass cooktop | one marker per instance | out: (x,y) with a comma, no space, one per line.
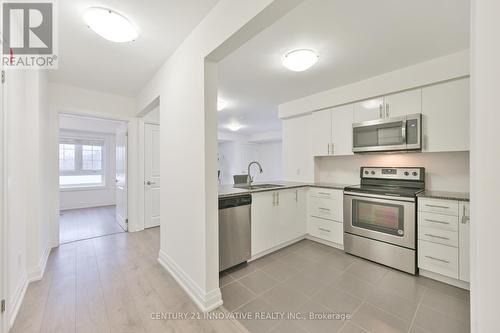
(397,191)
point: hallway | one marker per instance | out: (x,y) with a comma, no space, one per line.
(78,224)
(109,284)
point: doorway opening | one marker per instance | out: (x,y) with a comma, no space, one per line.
(92,177)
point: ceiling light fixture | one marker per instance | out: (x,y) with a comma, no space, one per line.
(234,126)
(300,60)
(110,25)
(221,104)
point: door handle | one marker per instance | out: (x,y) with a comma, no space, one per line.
(465,218)
(437,206)
(434,236)
(437,259)
(387,110)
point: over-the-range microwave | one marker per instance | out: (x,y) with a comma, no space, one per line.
(390,134)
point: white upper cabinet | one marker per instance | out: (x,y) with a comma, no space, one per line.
(321,132)
(331,131)
(445,112)
(403,103)
(370,109)
(342,119)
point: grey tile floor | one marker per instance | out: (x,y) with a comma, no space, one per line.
(308,277)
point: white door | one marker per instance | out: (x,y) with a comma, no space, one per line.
(151,175)
(342,119)
(370,109)
(403,103)
(321,132)
(121,176)
(464,242)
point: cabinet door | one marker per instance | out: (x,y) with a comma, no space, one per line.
(403,103)
(301,216)
(463,243)
(368,110)
(263,207)
(445,110)
(321,133)
(342,119)
(285,222)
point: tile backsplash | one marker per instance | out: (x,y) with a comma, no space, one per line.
(447,171)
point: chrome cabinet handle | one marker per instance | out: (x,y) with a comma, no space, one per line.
(442,260)
(436,206)
(328,149)
(324,193)
(326,209)
(465,218)
(380,111)
(435,221)
(434,236)
(325,230)
(296,195)
(277,198)
(387,110)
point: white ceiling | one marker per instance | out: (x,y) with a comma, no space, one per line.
(86,60)
(356,39)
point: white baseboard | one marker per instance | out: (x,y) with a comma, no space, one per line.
(206,301)
(36,273)
(325,242)
(87,206)
(444,279)
(277,247)
(17,300)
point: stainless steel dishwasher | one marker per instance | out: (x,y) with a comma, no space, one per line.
(234,230)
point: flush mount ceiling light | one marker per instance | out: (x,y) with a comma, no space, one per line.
(234,126)
(110,25)
(221,104)
(300,60)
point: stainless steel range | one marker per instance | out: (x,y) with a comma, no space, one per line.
(380,216)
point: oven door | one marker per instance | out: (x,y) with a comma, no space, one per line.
(376,217)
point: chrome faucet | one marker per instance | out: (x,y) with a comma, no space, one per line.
(250,178)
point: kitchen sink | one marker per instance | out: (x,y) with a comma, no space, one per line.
(258,186)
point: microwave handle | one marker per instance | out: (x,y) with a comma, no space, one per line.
(403,131)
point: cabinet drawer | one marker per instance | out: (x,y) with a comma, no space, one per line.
(325,193)
(438,221)
(440,236)
(447,207)
(438,258)
(326,208)
(328,230)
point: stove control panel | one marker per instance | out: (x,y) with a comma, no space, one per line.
(402,173)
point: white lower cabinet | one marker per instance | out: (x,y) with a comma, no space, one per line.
(277,217)
(443,237)
(326,216)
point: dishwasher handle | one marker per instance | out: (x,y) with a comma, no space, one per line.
(235,201)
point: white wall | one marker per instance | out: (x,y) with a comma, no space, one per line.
(30,199)
(429,72)
(95,128)
(485,165)
(234,158)
(444,171)
(187,87)
(71,99)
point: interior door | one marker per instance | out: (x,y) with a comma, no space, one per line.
(151,175)
(121,177)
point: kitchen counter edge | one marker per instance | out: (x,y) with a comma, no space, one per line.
(444,195)
(229,190)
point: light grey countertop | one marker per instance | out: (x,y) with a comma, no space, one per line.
(444,195)
(230,190)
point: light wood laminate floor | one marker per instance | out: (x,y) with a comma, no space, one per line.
(109,284)
(78,224)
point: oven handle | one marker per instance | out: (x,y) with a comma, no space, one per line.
(377,196)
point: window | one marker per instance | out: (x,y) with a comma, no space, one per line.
(81,162)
